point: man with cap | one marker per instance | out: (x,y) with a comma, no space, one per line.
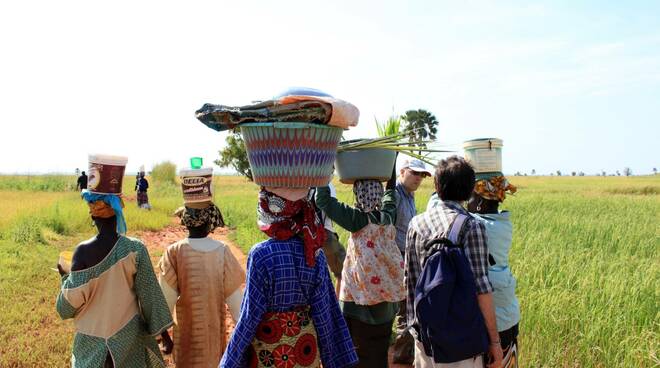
(411,174)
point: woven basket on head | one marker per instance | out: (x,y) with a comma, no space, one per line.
(290,154)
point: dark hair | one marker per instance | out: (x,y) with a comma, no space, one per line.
(454,179)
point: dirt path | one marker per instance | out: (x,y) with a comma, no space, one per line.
(159,240)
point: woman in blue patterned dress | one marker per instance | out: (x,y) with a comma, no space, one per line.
(290,316)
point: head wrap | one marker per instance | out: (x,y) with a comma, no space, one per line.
(196,217)
(368,194)
(494,188)
(100,209)
(281,219)
(110,205)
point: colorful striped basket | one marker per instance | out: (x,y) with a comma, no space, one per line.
(291,154)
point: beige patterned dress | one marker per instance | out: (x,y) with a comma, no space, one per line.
(203,280)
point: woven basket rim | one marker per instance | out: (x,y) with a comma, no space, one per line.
(290,125)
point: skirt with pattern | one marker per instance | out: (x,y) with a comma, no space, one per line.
(285,340)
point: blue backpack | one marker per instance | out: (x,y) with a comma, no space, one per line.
(450,324)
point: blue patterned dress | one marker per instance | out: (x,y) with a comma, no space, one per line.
(279,280)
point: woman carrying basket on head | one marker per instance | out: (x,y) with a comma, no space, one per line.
(372,280)
(289,315)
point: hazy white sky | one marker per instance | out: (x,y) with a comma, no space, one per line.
(567,86)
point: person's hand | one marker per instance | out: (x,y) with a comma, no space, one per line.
(61,270)
(167,342)
(391,183)
(494,355)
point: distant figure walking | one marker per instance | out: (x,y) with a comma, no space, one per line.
(141,186)
(82,182)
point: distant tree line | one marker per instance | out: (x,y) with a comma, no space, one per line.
(627,171)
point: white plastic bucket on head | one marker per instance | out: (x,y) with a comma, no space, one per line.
(197,185)
(106,173)
(485,154)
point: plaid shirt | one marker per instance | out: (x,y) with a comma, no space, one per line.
(434,223)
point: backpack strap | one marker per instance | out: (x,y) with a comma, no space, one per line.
(452,239)
(456,227)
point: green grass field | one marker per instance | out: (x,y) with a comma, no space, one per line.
(586,256)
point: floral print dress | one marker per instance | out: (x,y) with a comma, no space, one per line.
(285,340)
(373,268)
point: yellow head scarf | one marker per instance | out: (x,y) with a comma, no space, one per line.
(494,188)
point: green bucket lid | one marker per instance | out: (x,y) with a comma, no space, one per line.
(196,162)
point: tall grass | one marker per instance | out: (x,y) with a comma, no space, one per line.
(37,183)
(588,272)
(585,253)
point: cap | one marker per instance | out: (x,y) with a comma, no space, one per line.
(415,165)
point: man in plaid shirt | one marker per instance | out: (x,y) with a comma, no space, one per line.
(454,182)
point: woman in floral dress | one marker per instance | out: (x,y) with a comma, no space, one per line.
(372,277)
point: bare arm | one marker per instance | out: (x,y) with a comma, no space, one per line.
(488,311)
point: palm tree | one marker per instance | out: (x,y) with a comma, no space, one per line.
(655,171)
(420,125)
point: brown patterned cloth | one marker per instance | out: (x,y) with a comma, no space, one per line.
(494,188)
(203,280)
(196,217)
(142,198)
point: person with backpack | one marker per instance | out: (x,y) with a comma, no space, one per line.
(372,276)
(484,204)
(449,296)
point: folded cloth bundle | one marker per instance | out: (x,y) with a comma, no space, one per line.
(308,109)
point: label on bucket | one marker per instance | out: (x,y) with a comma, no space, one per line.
(105,179)
(486,160)
(197,188)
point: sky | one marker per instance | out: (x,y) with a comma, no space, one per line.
(570,86)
